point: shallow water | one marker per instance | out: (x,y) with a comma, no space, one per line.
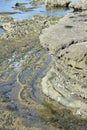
(6,7)
(1,30)
(15,91)
(35,93)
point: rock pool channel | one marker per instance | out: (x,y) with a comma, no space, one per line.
(23,63)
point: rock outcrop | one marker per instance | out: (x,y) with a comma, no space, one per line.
(77,6)
(57,3)
(66,82)
(80,5)
(17,29)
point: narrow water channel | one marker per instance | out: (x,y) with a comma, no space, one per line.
(35,92)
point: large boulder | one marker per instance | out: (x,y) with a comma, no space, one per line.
(67,79)
(80,5)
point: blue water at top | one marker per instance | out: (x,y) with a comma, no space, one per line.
(6,6)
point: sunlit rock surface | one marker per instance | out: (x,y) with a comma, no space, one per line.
(66,82)
(80,5)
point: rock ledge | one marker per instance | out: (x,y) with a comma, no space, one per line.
(66,82)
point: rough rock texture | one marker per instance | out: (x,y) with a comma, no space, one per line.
(66,82)
(79,5)
(4,18)
(24,28)
(57,3)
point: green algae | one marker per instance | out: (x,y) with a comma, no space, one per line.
(16,93)
(10,122)
(58,116)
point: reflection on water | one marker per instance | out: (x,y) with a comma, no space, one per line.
(6,6)
(58,11)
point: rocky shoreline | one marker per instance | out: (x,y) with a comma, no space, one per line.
(22,78)
(66,82)
(17,29)
(77,5)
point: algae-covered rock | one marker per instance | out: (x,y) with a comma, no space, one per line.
(4,18)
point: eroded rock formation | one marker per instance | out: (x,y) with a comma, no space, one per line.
(66,82)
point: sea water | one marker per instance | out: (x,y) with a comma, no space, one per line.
(6,7)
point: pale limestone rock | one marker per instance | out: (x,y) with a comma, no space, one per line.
(66,82)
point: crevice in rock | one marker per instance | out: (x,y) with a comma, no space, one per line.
(67,4)
(80,97)
(68,26)
(78,68)
(69,65)
(72,42)
(67,45)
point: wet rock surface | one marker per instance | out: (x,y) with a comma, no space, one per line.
(67,78)
(23,62)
